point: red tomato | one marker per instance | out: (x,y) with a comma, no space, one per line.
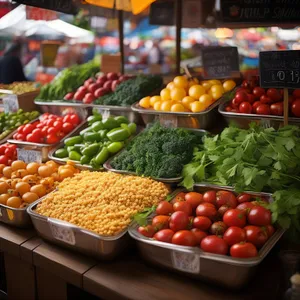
(83,89)
(296,93)
(214,244)
(28,128)
(265,99)
(52,130)
(296,108)
(259,216)
(179,220)
(243,198)
(234,217)
(21,137)
(270,230)
(74,119)
(210,197)
(255,105)
(2,149)
(37,132)
(228,108)
(9,152)
(251,98)
(183,206)
(199,235)
(45,130)
(246,207)
(58,125)
(222,210)
(240,97)
(263,109)
(218,228)
(194,199)
(179,197)
(274,95)
(184,238)
(277,109)
(32,138)
(226,198)
(243,250)
(258,92)
(20,129)
(40,125)
(52,139)
(69,96)
(88,98)
(50,122)
(79,96)
(164,208)
(3,160)
(235,102)
(160,222)
(234,235)
(245,108)
(147,231)
(206,210)
(164,235)
(67,118)
(67,127)
(256,235)
(202,223)
(88,82)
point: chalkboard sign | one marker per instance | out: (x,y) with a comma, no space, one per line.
(220,62)
(162,13)
(262,11)
(280,69)
(65,6)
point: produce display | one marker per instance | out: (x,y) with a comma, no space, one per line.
(183,95)
(96,143)
(19,88)
(49,129)
(250,98)
(217,221)
(68,81)
(10,121)
(131,91)
(8,153)
(22,184)
(94,88)
(102,202)
(158,152)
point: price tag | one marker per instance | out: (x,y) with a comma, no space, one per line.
(186,262)
(62,233)
(280,69)
(220,62)
(169,121)
(29,155)
(10,103)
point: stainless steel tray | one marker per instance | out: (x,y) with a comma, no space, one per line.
(46,148)
(107,165)
(192,261)
(75,238)
(243,120)
(17,217)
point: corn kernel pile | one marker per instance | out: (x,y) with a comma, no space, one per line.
(102,202)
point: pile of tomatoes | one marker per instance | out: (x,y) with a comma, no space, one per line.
(250,98)
(8,153)
(217,221)
(50,129)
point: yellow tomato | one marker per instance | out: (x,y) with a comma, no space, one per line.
(229,85)
(177,108)
(17,165)
(177,94)
(206,85)
(166,105)
(196,91)
(32,168)
(170,85)
(197,106)
(206,100)
(157,105)
(217,89)
(165,95)
(154,99)
(217,95)
(213,82)
(186,101)
(193,81)
(181,82)
(145,102)
(45,171)
(2,166)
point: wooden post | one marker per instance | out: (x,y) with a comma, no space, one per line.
(285,106)
(178,14)
(121,38)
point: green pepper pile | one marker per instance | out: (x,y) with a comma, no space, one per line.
(11,121)
(100,140)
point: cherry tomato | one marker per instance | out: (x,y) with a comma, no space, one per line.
(21,128)
(184,238)
(179,220)
(58,125)
(206,210)
(147,231)
(32,138)
(79,96)
(222,210)
(218,228)
(210,197)
(52,130)
(50,122)
(234,235)
(270,230)
(28,128)
(255,105)
(21,137)
(235,217)
(258,92)
(164,208)
(296,93)
(194,199)
(179,197)
(2,149)
(251,98)
(199,235)
(246,207)
(235,102)
(69,96)
(226,198)
(243,250)
(160,222)
(277,109)
(296,108)
(214,244)
(228,108)
(259,216)
(256,235)
(243,198)
(164,235)
(67,127)
(74,119)
(52,139)
(274,95)
(9,152)
(264,99)
(263,109)
(241,96)
(183,206)
(37,132)
(202,223)
(4,160)
(245,108)
(45,131)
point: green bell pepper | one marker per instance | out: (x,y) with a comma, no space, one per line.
(118,135)
(121,119)
(93,119)
(110,123)
(91,150)
(92,137)
(102,156)
(115,147)
(73,140)
(61,153)
(132,127)
(84,160)
(70,148)
(73,155)
(88,129)
(97,126)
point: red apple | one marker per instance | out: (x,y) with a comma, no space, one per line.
(101,81)
(83,89)
(112,76)
(108,84)
(102,77)
(114,85)
(93,87)
(88,98)
(100,92)
(88,82)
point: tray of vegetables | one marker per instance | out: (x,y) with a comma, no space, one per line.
(209,229)
(93,145)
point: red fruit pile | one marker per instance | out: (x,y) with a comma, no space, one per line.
(217,221)
(50,129)
(95,88)
(252,99)
(8,153)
